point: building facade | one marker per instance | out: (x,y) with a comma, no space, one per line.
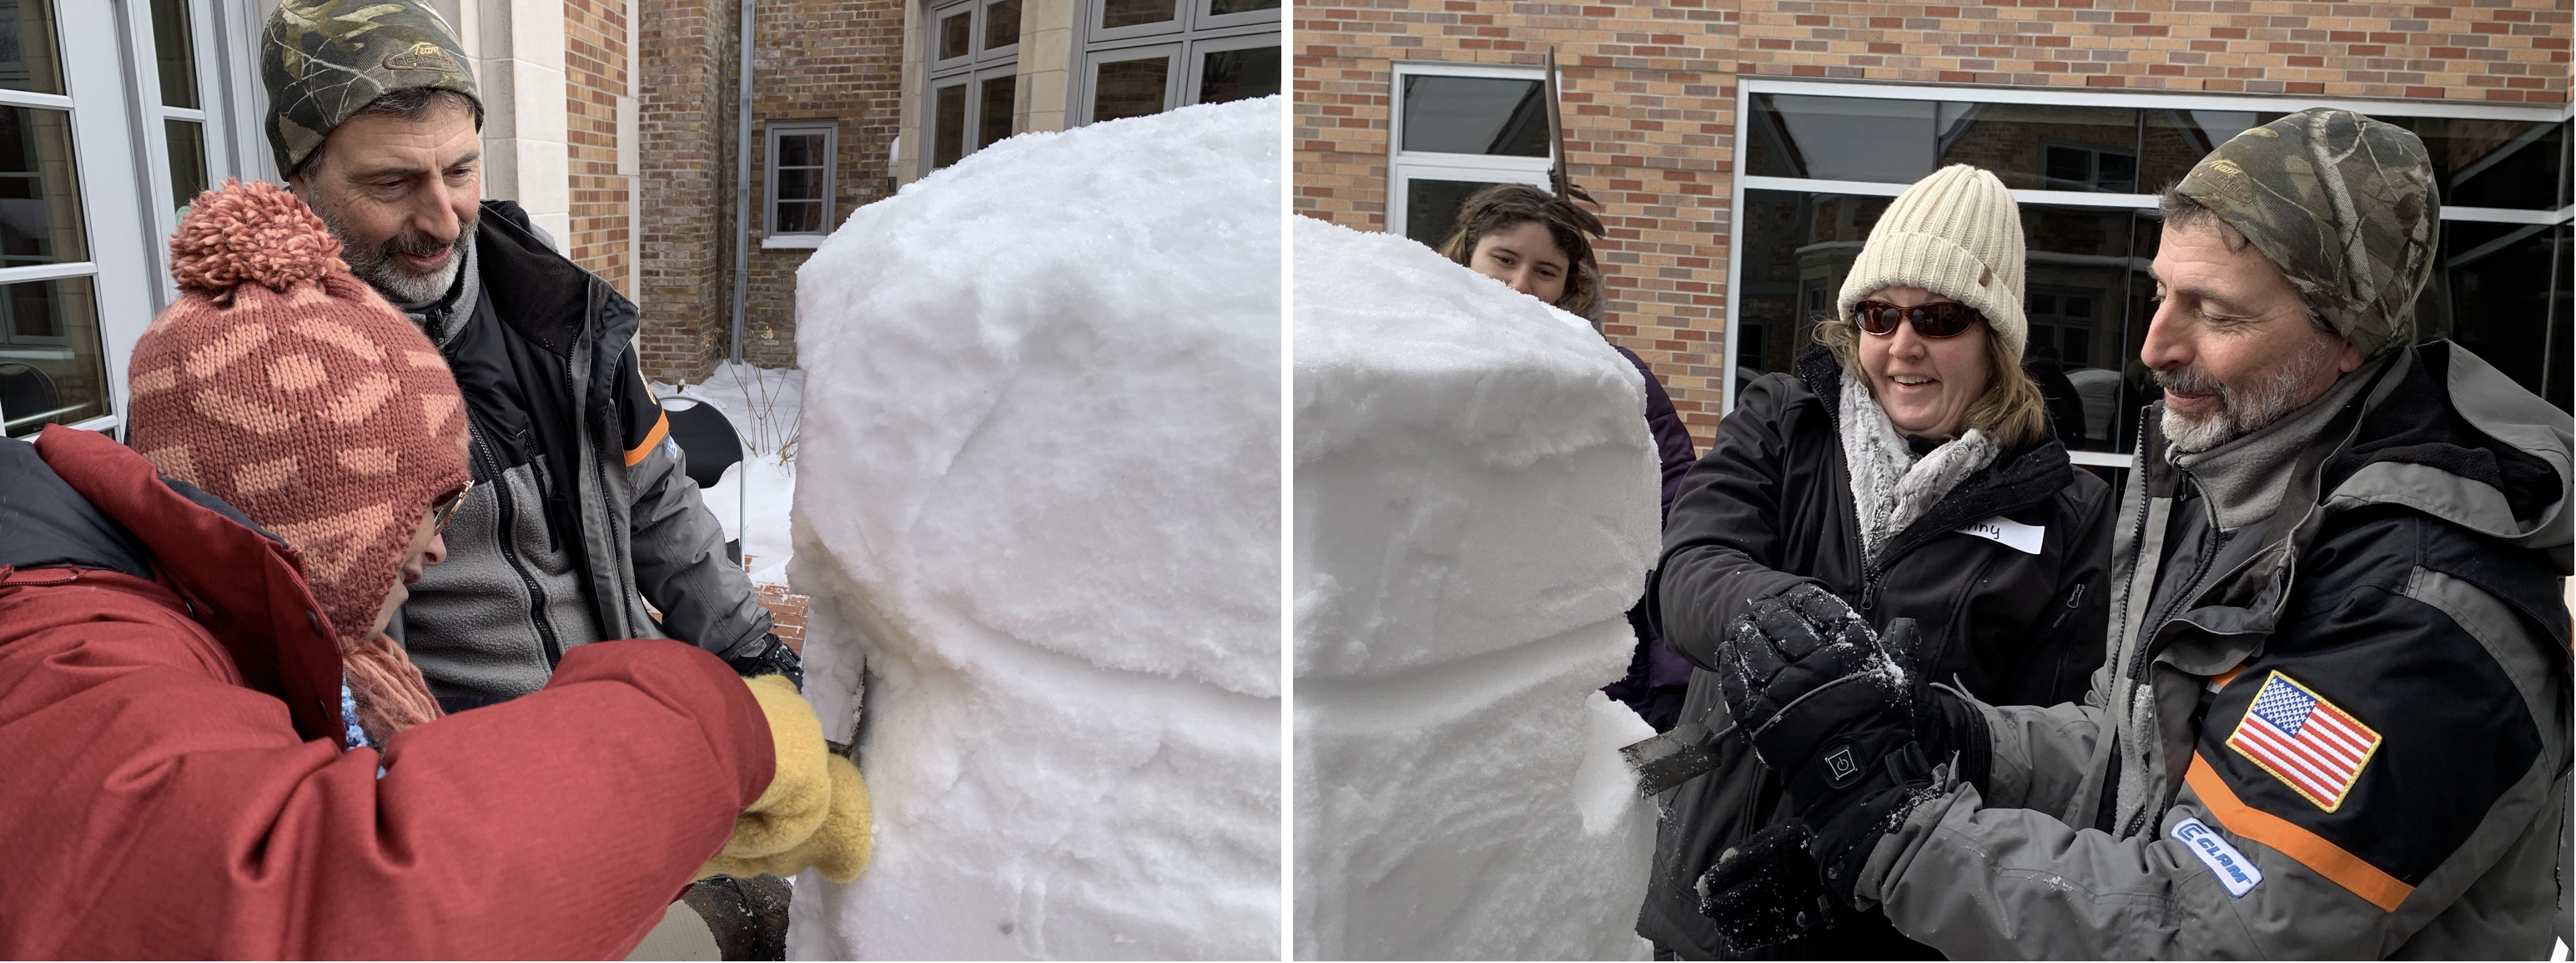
(1741,152)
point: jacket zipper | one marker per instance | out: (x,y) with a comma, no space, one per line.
(506,522)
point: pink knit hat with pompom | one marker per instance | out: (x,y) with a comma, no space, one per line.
(284,385)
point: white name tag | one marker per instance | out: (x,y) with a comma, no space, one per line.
(2009,532)
(2234,871)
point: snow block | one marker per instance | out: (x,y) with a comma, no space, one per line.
(1476,509)
(1037,511)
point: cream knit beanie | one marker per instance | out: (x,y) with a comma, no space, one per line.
(1957,234)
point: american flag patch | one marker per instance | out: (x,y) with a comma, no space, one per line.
(2303,740)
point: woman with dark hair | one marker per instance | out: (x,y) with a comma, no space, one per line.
(1540,245)
(1908,468)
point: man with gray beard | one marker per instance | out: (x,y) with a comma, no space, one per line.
(2334,720)
(580,513)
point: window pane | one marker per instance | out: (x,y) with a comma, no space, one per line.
(2083,290)
(800,150)
(177,55)
(2176,140)
(40,212)
(187,141)
(800,183)
(1431,208)
(955,31)
(2042,146)
(2492,163)
(1475,115)
(28,60)
(1132,13)
(1840,138)
(1130,88)
(2501,303)
(1219,8)
(948,127)
(1002,24)
(1797,247)
(799,217)
(994,121)
(52,368)
(1239,75)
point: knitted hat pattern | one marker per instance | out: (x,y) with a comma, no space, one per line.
(287,387)
(1957,234)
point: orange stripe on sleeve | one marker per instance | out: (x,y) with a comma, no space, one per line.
(661,427)
(2221,680)
(2289,839)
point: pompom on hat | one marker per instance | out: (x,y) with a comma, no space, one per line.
(287,387)
(1957,234)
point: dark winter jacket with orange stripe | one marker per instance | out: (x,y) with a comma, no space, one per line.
(2334,720)
(582,511)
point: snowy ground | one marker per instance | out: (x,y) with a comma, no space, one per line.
(766,407)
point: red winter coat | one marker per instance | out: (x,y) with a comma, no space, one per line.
(175,786)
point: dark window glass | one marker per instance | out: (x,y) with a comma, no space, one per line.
(993,122)
(187,140)
(1002,24)
(52,368)
(2507,293)
(1431,208)
(1130,88)
(2029,145)
(799,184)
(956,31)
(2083,290)
(1133,13)
(1797,247)
(2493,163)
(40,212)
(176,55)
(1239,75)
(28,59)
(948,127)
(1475,115)
(1218,8)
(1840,138)
(2175,140)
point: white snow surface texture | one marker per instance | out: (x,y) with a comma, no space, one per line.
(1038,498)
(1476,509)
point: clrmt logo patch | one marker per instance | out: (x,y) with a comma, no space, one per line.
(2300,738)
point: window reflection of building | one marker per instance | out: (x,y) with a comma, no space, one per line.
(1822,160)
(1458,130)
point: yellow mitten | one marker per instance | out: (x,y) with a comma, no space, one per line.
(815,811)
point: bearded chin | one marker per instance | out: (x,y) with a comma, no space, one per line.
(399,286)
(2243,411)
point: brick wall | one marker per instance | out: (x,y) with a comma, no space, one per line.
(1650,99)
(594,77)
(812,60)
(685,49)
(817,60)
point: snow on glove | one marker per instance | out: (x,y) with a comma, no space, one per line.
(1833,714)
(1765,891)
(815,811)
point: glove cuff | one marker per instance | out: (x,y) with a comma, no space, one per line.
(1961,737)
(774,658)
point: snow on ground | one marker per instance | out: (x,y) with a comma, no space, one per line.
(1475,513)
(765,407)
(1039,496)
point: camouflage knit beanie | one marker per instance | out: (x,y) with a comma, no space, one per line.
(324,60)
(287,387)
(2343,204)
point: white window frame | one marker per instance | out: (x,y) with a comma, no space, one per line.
(1191,35)
(1747,88)
(1403,165)
(830,129)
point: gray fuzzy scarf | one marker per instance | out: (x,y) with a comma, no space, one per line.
(1891,488)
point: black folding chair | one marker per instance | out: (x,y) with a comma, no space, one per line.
(709,445)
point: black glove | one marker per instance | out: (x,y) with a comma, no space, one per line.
(1765,891)
(1833,714)
(774,658)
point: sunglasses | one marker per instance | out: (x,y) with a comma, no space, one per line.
(1942,320)
(445,508)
